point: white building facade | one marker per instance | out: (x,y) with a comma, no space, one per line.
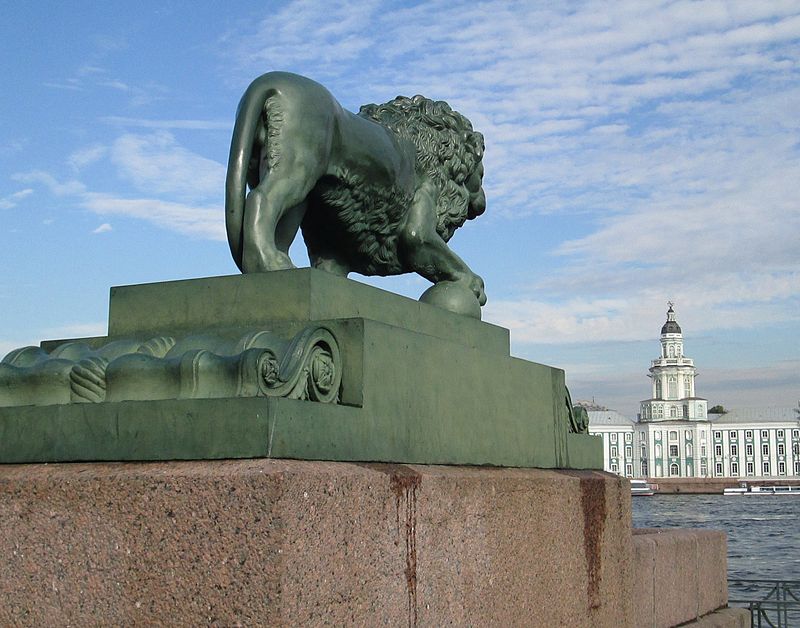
(675,436)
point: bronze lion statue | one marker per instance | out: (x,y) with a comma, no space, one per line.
(379,192)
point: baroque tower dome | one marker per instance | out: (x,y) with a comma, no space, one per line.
(671,326)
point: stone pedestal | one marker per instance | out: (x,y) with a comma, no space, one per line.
(280,542)
(291,364)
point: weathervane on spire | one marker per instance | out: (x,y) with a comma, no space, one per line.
(670,303)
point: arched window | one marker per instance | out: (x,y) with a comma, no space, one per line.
(672,351)
(658,388)
(674,469)
(673,412)
(688,450)
(673,387)
(687,386)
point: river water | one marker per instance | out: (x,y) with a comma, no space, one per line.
(763,531)
(763,534)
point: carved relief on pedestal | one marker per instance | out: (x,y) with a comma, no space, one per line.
(257,363)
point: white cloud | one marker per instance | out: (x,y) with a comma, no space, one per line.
(83,157)
(189,185)
(66,188)
(196,221)
(324,34)
(157,163)
(76,330)
(90,77)
(7,202)
(195,125)
(735,302)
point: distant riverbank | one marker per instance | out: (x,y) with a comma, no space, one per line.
(712,486)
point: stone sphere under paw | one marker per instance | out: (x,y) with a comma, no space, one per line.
(452,296)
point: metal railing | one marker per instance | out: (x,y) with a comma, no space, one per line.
(772,603)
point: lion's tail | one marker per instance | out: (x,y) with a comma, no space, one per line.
(248,116)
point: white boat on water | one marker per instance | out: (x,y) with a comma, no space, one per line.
(745,489)
(643,487)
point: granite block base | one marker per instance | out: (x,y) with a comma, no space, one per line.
(284,542)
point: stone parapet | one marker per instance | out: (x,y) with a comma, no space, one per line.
(284,542)
(681,575)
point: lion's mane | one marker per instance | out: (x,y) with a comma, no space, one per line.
(448,150)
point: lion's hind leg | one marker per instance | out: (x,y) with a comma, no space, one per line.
(274,210)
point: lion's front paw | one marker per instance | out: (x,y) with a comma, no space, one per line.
(477,287)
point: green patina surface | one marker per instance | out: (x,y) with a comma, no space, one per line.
(211,429)
(380,192)
(419,385)
(294,296)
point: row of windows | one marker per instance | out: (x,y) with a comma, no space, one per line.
(670,350)
(750,467)
(628,469)
(614,453)
(628,437)
(674,450)
(674,469)
(656,411)
(734,449)
(733,434)
(672,387)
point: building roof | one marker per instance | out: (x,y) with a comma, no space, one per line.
(757,415)
(608,418)
(590,405)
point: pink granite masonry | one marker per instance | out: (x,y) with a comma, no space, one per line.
(280,542)
(681,575)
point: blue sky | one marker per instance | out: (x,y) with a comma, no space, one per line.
(636,152)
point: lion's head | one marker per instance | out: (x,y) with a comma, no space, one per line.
(449,153)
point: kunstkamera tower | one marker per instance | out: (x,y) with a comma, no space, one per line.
(673,393)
